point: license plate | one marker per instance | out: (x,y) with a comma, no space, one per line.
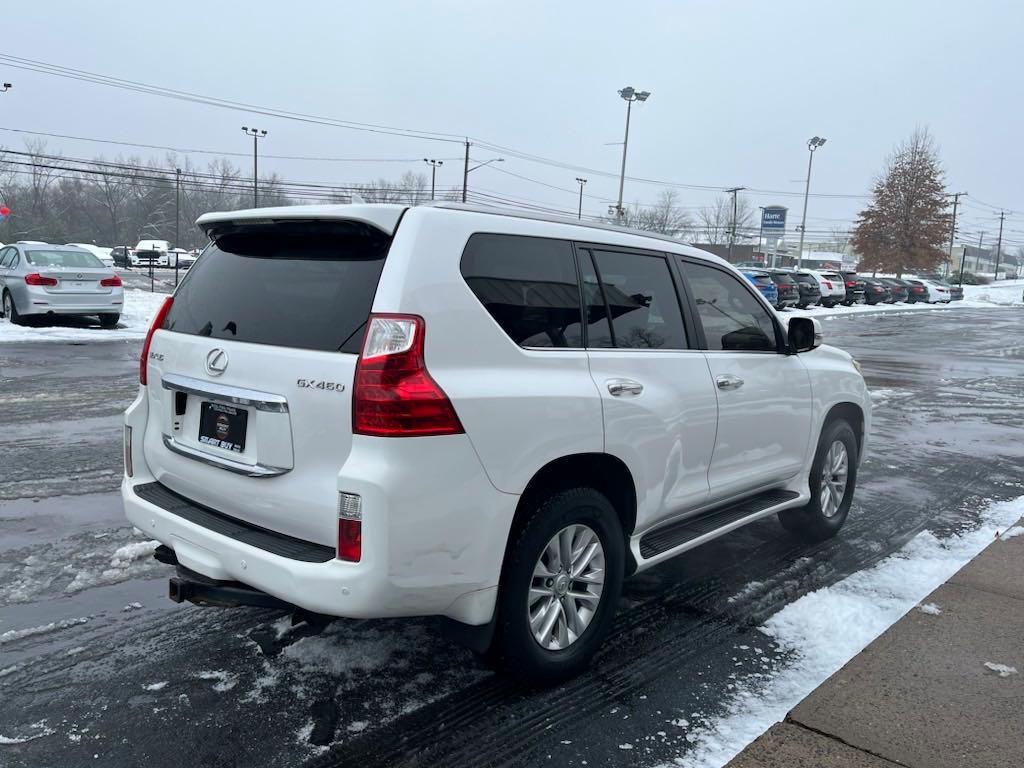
(223,426)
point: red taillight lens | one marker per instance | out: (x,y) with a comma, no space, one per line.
(851,284)
(36,279)
(394,395)
(111,282)
(350,540)
(828,285)
(158,321)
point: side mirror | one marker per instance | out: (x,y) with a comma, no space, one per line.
(804,334)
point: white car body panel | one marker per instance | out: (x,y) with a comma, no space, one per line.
(437,511)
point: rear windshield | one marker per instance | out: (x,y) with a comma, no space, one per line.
(73,259)
(760,279)
(297,284)
(806,279)
(783,278)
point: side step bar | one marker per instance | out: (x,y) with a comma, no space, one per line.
(673,535)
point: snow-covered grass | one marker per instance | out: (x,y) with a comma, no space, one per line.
(139,308)
(863,605)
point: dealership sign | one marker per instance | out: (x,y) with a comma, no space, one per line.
(773,218)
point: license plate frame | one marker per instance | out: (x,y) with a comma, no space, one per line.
(223,426)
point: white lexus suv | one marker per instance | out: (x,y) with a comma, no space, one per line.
(377,411)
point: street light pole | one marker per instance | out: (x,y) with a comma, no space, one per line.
(256,134)
(581,182)
(177,220)
(630,95)
(952,232)
(732,230)
(433,172)
(812,145)
(760,237)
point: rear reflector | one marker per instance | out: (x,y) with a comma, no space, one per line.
(394,395)
(350,540)
(128,468)
(111,282)
(36,279)
(158,321)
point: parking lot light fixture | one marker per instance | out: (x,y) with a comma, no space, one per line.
(629,94)
(814,143)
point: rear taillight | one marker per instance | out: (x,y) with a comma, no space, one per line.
(828,285)
(851,284)
(394,395)
(36,279)
(111,282)
(350,527)
(158,321)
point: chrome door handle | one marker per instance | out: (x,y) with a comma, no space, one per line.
(728,381)
(620,387)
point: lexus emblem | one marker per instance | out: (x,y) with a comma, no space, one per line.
(216,361)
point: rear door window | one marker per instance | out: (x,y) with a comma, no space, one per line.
(528,285)
(307,285)
(732,318)
(641,300)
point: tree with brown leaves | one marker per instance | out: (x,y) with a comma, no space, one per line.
(906,226)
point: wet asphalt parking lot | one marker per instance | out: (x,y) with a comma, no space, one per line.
(114,674)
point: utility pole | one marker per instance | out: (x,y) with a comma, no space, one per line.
(581,182)
(732,229)
(630,95)
(177,220)
(999,245)
(977,259)
(433,172)
(812,144)
(465,172)
(256,134)
(952,231)
(760,238)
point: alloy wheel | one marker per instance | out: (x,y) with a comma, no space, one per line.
(834,473)
(566,586)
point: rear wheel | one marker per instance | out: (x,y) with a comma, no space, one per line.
(109,320)
(560,587)
(10,310)
(832,481)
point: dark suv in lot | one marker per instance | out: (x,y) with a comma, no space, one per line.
(855,287)
(789,292)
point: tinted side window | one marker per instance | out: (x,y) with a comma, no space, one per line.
(642,300)
(528,285)
(732,318)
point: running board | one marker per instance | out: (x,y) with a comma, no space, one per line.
(714,522)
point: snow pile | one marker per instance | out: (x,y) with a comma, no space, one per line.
(225,680)
(121,563)
(139,308)
(54,626)
(1011,533)
(864,605)
(1001,669)
(39,727)
(1003,293)
(930,608)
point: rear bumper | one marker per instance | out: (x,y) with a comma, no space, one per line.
(434,532)
(38,301)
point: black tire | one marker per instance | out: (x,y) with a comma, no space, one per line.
(515,651)
(109,320)
(15,318)
(811,522)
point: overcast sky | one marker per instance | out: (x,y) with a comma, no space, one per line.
(737,89)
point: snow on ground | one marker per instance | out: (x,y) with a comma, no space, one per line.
(1002,670)
(1017,530)
(139,308)
(865,604)
(54,626)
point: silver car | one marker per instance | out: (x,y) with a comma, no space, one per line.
(38,279)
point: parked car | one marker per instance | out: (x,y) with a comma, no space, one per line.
(471,421)
(855,288)
(956,292)
(103,254)
(764,283)
(184,258)
(786,289)
(122,256)
(899,290)
(831,284)
(937,292)
(750,265)
(40,280)
(154,252)
(876,292)
(810,292)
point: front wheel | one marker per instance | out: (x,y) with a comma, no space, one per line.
(560,587)
(832,481)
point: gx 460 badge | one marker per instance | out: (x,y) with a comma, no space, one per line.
(327,386)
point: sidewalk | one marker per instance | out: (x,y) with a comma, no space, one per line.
(921,694)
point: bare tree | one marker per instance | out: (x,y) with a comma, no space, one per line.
(715,221)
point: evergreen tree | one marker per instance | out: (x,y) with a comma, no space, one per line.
(906,226)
